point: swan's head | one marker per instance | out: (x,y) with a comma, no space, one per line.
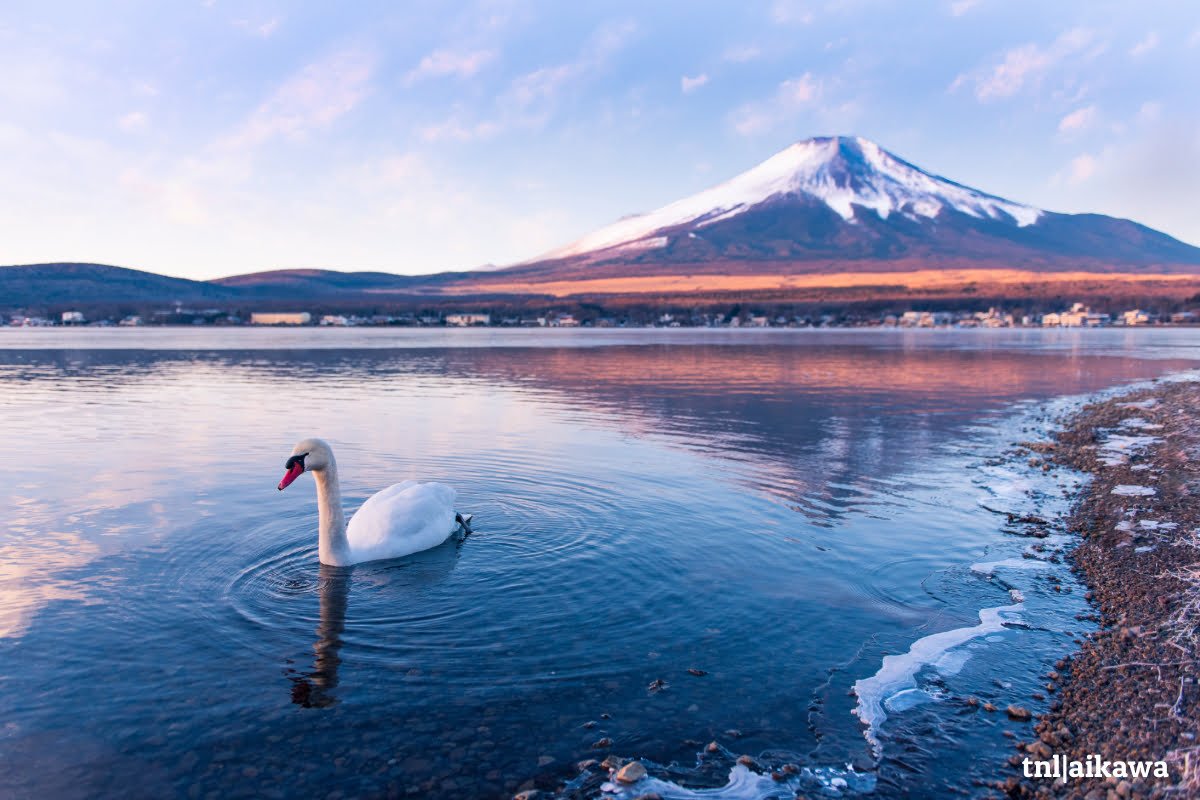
(310,455)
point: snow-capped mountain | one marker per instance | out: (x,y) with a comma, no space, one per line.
(846,199)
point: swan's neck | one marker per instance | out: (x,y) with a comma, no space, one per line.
(334,546)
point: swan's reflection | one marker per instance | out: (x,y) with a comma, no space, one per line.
(411,573)
(313,690)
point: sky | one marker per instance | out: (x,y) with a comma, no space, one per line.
(213,138)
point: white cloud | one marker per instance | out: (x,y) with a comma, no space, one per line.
(446,63)
(1149,113)
(1147,43)
(177,200)
(790,12)
(799,90)
(1025,65)
(689,85)
(133,122)
(456,129)
(741,54)
(541,84)
(1078,170)
(791,96)
(261,29)
(531,98)
(311,99)
(1077,120)
(960,7)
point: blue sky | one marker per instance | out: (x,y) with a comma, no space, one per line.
(212,138)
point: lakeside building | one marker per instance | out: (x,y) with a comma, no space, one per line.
(73,318)
(467,320)
(280,318)
(925,319)
(1080,316)
(1136,317)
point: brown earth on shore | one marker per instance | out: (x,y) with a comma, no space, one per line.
(914,281)
(1130,693)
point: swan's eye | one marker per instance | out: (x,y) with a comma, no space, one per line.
(294,460)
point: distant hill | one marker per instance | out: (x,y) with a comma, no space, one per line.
(308,283)
(100,284)
(90,285)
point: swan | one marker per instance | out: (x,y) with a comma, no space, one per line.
(402,519)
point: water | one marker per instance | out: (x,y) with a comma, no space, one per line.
(794,513)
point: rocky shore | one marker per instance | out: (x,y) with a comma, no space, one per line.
(1130,693)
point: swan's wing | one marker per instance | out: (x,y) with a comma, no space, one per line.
(405,518)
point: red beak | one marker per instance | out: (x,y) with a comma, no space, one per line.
(293,472)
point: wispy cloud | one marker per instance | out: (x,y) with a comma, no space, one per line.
(532,97)
(311,99)
(790,97)
(133,122)
(458,129)
(690,84)
(1145,45)
(1080,169)
(791,12)
(262,28)
(960,7)
(449,63)
(741,54)
(1077,120)
(1025,65)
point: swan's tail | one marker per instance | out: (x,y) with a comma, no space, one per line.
(464,520)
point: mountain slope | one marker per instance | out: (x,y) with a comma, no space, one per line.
(831,203)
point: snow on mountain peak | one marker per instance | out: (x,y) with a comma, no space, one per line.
(840,171)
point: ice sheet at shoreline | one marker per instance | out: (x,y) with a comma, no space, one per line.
(898,676)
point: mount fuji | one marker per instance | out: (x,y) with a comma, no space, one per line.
(844,204)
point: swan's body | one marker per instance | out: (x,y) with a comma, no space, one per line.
(402,519)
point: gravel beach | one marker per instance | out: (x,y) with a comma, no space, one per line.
(1130,692)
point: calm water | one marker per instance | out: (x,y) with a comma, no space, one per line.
(780,510)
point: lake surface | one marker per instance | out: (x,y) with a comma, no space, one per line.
(779,510)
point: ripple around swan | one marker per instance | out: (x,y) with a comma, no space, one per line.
(547,548)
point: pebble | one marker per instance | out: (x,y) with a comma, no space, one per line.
(601,744)
(586,764)
(613,763)
(988,707)
(631,772)
(713,747)
(699,673)
(1019,713)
